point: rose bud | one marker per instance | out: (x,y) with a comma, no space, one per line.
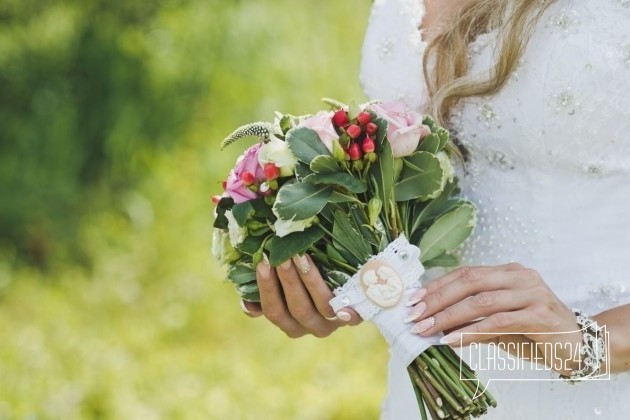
(247,178)
(354,131)
(216,199)
(340,118)
(271,171)
(364,118)
(371,128)
(354,151)
(368,145)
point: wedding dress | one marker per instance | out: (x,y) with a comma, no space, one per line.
(548,168)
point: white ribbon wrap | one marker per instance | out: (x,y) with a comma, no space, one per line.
(404,258)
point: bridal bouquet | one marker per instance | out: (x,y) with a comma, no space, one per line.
(370,193)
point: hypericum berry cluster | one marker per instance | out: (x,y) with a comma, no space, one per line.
(356,137)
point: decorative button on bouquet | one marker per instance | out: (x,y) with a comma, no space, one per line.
(369,193)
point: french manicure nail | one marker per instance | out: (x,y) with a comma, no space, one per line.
(265,259)
(450,338)
(344,316)
(416,297)
(286,265)
(416,312)
(263,267)
(423,325)
(244,308)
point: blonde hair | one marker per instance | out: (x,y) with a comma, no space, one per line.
(446,59)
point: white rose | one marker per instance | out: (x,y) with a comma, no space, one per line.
(284,227)
(222,249)
(217,239)
(277,152)
(236,233)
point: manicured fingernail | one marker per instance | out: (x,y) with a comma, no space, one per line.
(416,297)
(263,267)
(416,312)
(423,325)
(344,316)
(450,338)
(286,265)
(244,308)
(265,259)
(302,264)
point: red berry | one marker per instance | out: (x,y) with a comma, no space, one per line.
(271,171)
(354,131)
(216,199)
(371,128)
(247,178)
(354,151)
(368,145)
(364,118)
(340,118)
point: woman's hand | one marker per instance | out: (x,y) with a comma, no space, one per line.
(295,297)
(488,302)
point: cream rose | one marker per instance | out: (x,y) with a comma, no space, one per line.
(277,152)
(404,129)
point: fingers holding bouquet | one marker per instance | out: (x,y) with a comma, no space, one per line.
(294,297)
(480,304)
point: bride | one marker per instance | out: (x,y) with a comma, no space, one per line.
(537,93)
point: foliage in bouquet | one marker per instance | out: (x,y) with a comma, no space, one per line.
(340,185)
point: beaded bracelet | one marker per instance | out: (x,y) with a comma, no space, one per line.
(592,349)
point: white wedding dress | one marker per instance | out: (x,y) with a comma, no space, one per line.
(549,169)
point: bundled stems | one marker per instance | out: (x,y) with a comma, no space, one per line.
(445,386)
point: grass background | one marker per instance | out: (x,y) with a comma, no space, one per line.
(111,113)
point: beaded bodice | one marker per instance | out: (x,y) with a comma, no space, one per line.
(549,156)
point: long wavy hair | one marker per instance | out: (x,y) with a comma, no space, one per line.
(446,59)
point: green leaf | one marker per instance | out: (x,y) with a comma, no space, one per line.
(338,277)
(324,164)
(443,260)
(261,208)
(347,237)
(339,197)
(383,174)
(247,288)
(381,133)
(242,211)
(286,123)
(225,204)
(281,249)
(448,232)
(241,274)
(421,177)
(340,179)
(444,136)
(301,201)
(250,297)
(430,122)
(432,209)
(430,143)
(302,170)
(305,144)
(251,244)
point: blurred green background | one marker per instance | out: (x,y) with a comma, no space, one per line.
(111,113)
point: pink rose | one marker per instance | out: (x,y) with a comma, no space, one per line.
(323,126)
(405,128)
(247,162)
